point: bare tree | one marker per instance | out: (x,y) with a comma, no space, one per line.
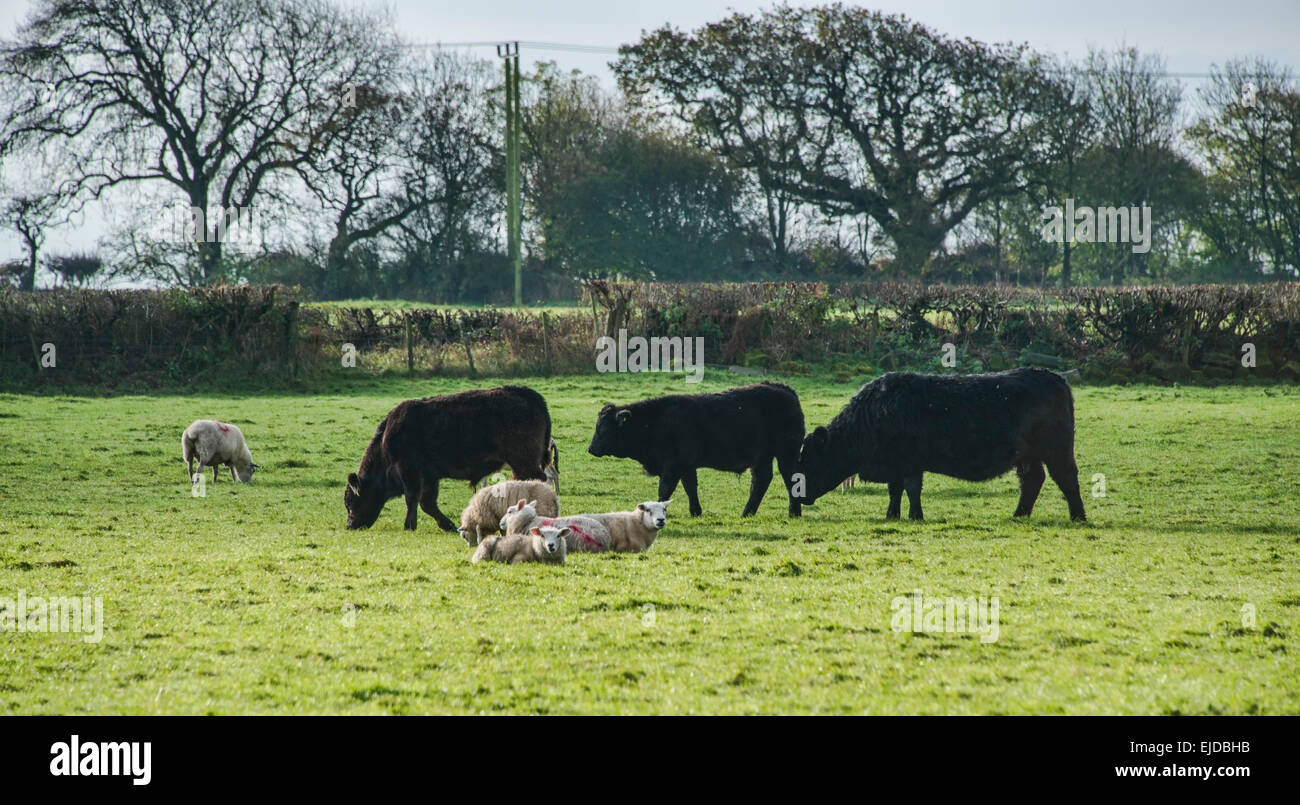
(32,216)
(213,98)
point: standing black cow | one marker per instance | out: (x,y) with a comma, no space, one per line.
(973,427)
(735,430)
(466,436)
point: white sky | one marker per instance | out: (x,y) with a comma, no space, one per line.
(1191,35)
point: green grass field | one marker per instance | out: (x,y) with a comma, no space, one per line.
(254,599)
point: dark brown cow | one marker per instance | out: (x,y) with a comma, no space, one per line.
(466,436)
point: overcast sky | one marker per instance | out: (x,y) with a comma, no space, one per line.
(1192,35)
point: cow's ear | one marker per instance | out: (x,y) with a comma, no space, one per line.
(606,409)
(819,436)
(354,483)
(624,416)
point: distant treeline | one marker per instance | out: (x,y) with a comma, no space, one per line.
(245,337)
(823,144)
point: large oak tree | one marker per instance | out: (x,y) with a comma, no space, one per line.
(854,111)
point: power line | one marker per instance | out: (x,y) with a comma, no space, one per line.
(560,46)
(614,51)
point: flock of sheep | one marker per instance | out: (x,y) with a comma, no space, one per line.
(525,513)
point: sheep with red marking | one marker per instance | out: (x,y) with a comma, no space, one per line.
(588,534)
(212,444)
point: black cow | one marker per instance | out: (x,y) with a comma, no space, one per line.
(735,430)
(466,436)
(973,427)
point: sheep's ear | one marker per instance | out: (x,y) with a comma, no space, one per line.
(666,502)
(536,532)
(640,507)
(257,466)
(522,503)
(354,483)
(624,416)
(564,532)
(532,503)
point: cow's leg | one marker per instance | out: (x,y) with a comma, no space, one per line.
(760,477)
(895,509)
(786,465)
(1066,475)
(691,483)
(912,484)
(429,502)
(668,484)
(1031,480)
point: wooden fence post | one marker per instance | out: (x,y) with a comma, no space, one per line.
(410,345)
(546,341)
(464,337)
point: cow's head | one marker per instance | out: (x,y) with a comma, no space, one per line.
(364,499)
(613,436)
(654,514)
(819,467)
(552,538)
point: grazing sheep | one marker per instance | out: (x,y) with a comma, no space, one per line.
(587,533)
(214,443)
(634,531)
(484,511)
(542,544)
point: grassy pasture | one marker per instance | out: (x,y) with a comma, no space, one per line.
(254,599)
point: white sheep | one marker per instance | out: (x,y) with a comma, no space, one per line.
(587,533)
(634,531)
(483,513)
(542,544)
(214,443)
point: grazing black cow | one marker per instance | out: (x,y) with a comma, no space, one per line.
(735,430)
(973,427)
(465,436)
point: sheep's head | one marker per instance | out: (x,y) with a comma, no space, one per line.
(522,512)
(364,499)
(553,540)
(654,514)
(245,475)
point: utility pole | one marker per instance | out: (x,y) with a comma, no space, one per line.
(509,51)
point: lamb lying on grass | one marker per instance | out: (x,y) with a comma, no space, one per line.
(214,443)
(586,533)
(484,511)
(543,544)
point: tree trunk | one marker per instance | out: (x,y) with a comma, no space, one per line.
(27,282)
